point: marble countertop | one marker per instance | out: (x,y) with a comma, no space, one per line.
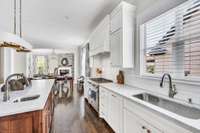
(128,92)
(38,87)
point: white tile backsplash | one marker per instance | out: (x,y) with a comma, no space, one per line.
(103,61)
(131,78)
(185,91)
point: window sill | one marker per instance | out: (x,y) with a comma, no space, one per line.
(174,80)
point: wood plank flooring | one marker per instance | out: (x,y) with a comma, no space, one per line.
(74,115)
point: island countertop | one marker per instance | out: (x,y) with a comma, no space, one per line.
(38,87)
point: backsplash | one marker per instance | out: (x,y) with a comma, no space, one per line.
(185,91)
(103,62)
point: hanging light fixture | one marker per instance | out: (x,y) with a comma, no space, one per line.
(10,40)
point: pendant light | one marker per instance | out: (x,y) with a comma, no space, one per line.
(10,40)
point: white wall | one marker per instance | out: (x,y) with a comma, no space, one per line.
(19,64)
(13,62)
(7,62)
(63,51)
(1,65)
(103,62)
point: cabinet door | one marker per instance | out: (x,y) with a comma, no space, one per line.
(4,126)
(115,112)
(134,124)
(116,20)
(116,48)
(131,123)
(103,103)
(22,125)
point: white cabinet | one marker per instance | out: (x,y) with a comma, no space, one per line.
(103,104)
(126,116)
(115,46)
(133,124)
(111,109)
(100,39)
(86,87)
(115,112)
(147,121)
(122,35)
(115,20)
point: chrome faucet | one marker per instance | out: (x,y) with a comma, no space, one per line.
(6,96)
(172,88)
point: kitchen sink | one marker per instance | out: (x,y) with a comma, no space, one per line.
(175,107)
(28,98)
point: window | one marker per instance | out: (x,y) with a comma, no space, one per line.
(170,43)
(41,65)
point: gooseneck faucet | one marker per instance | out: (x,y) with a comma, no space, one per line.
(172,88)
(6,96)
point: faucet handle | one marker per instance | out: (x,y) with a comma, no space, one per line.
(174,89)
(161,84)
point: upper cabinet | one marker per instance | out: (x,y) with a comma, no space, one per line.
(100,38)
(122,35)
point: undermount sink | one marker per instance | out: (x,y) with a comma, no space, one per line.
(28,98)
(177,108)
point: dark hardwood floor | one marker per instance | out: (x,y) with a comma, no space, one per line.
(73,115)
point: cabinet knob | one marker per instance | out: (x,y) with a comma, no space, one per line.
(148,131)
(113,95)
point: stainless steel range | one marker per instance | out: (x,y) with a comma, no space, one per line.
(93,91)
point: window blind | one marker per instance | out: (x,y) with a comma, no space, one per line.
(172,41)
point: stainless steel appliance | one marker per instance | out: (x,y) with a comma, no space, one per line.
(93,91)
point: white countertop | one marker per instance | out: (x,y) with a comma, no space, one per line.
(128,92)
(41,87)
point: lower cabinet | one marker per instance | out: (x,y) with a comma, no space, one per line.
(115,114)
(126,116)
(31,122)
(111,109)
(139,119)
(133,124)
(103,104)
(47,115)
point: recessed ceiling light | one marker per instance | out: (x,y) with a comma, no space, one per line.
(67,17)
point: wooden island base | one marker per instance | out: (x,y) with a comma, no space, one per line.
(30,122)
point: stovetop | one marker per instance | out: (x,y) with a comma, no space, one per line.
(100,80)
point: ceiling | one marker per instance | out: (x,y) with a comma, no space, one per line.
(59,23)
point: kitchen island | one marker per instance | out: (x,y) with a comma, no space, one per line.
(29,116)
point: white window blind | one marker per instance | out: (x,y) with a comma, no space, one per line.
(172,41)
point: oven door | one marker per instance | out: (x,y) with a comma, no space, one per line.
(93,97)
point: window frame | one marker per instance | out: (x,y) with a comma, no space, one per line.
(180,79)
